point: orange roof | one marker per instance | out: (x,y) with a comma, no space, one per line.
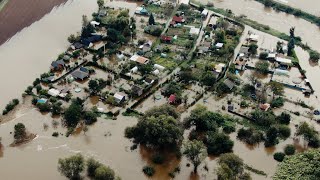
(142,60)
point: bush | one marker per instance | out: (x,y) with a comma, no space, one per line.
(262,67)
(289,149)
(229,129)
(284,131)
(284,118)
(279,156)
(148,170)
(158,158)
(314,55)
(44,107)
(278,102)
(263,55)
(55,134)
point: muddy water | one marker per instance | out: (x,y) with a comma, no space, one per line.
(280,21)
(28,12)
(310,6)
(29,53)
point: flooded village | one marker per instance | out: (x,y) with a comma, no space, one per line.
(157,90)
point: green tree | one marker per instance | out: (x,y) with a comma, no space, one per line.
(73,113)
(220,36)
(19,132)
(231,167)
(71,167)
(279,156)
(203,119)
(304,165)
(92,165)
(309,134)
(195,151)
(93,85)
(271,137)
(263,55)
(289,149)
(151,20)
(262,67)
(291,47)
(208,78)
(284,118)
(56,108)
(156,111)
(276,88)
(104,173)
(253,48)
(100,3)
(90,117)
(218,143)
(314,55)
(157,131)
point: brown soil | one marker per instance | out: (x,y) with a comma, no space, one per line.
(29,138)
(18,14)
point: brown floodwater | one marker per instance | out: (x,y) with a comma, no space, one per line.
(18,14)
(310,6)
(309,33)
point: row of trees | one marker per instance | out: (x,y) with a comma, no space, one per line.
(160,129)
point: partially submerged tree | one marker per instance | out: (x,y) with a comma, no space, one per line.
(71,167)
(309,134)
(231,167)
(195,151)
(218,143)
(19,132)
(73,113)
(100,3)
(157,129)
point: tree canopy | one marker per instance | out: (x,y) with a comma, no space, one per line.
(157,128)
(203,119)
(231,167)
(218,143)
(304,165)
(71,167)
(196,152)
(73,113)
(19,131)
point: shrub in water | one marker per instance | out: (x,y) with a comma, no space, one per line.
(148,170)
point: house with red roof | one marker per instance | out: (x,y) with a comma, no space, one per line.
(166,39)
(172,99)
(178,19)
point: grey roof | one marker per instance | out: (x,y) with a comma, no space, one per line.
(244,50)
(229,83)
(79,74)
(136,88)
